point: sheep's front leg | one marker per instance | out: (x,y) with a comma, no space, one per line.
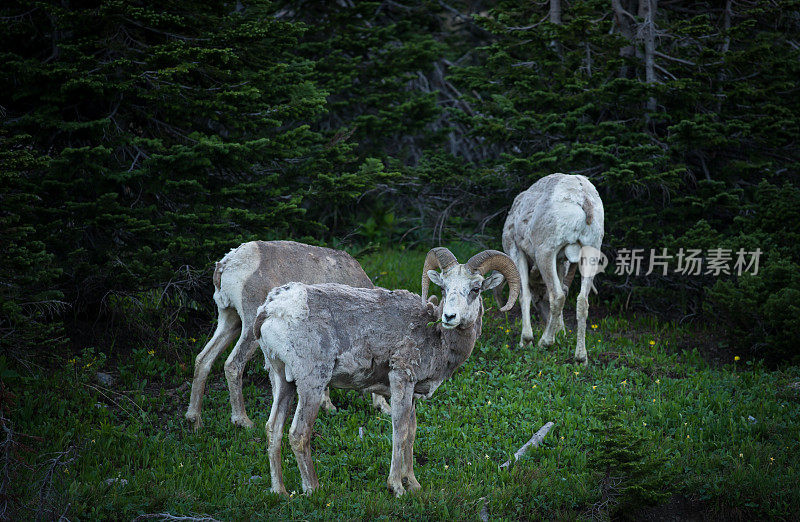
(408,455)
(582,311)
(308,404)
(402,390)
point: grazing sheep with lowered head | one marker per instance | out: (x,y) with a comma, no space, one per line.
(376,340)
(546,233)
(242,280)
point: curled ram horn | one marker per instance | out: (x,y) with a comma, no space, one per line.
(440,258)
(483,262)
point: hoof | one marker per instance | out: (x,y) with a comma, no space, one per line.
(242,421)
(396,489)
(411,484)
(194,419)
(280,490)
(545,343)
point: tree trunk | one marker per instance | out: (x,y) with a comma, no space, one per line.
(623,21)
(647,32)
(555,18)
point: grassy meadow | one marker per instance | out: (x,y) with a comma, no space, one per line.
(694,434)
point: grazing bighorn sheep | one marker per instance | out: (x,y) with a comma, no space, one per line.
(376,340)
(241,283)
(545,231)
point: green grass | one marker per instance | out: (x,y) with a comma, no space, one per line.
(693,415)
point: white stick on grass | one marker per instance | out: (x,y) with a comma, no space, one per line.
(537,439)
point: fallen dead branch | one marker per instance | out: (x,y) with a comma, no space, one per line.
(537,439)
(168,516)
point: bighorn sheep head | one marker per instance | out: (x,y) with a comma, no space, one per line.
(462,284)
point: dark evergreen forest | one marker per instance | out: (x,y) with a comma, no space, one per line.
(140,141)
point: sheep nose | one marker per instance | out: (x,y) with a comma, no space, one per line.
(448,318)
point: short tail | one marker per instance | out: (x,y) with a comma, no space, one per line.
(588,209)
(260,318)
(217,278)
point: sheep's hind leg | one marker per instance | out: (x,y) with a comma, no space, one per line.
(228,328)
(582,311)
(549,271)
(566,271)
(379,403)
(282,395)
(305,414)
(327,403)
(525,295)
(234,371)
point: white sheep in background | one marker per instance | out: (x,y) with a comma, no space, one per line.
(376,340)
(545,231)
(242,280)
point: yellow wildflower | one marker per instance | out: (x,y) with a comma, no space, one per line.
(151,352)
(576,373)
(658,381)
(446,466)
(625,382)
(652,343)
(594,387)
(741,455)
(736,358)
(594,327)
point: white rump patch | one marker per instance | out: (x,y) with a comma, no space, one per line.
(287,302)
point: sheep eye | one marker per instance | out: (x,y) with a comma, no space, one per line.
(475,290)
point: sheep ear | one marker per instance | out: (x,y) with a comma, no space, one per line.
(436,277)
(496,279)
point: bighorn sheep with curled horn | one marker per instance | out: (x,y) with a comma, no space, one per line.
(376,340)
(549,230)
(242,280)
